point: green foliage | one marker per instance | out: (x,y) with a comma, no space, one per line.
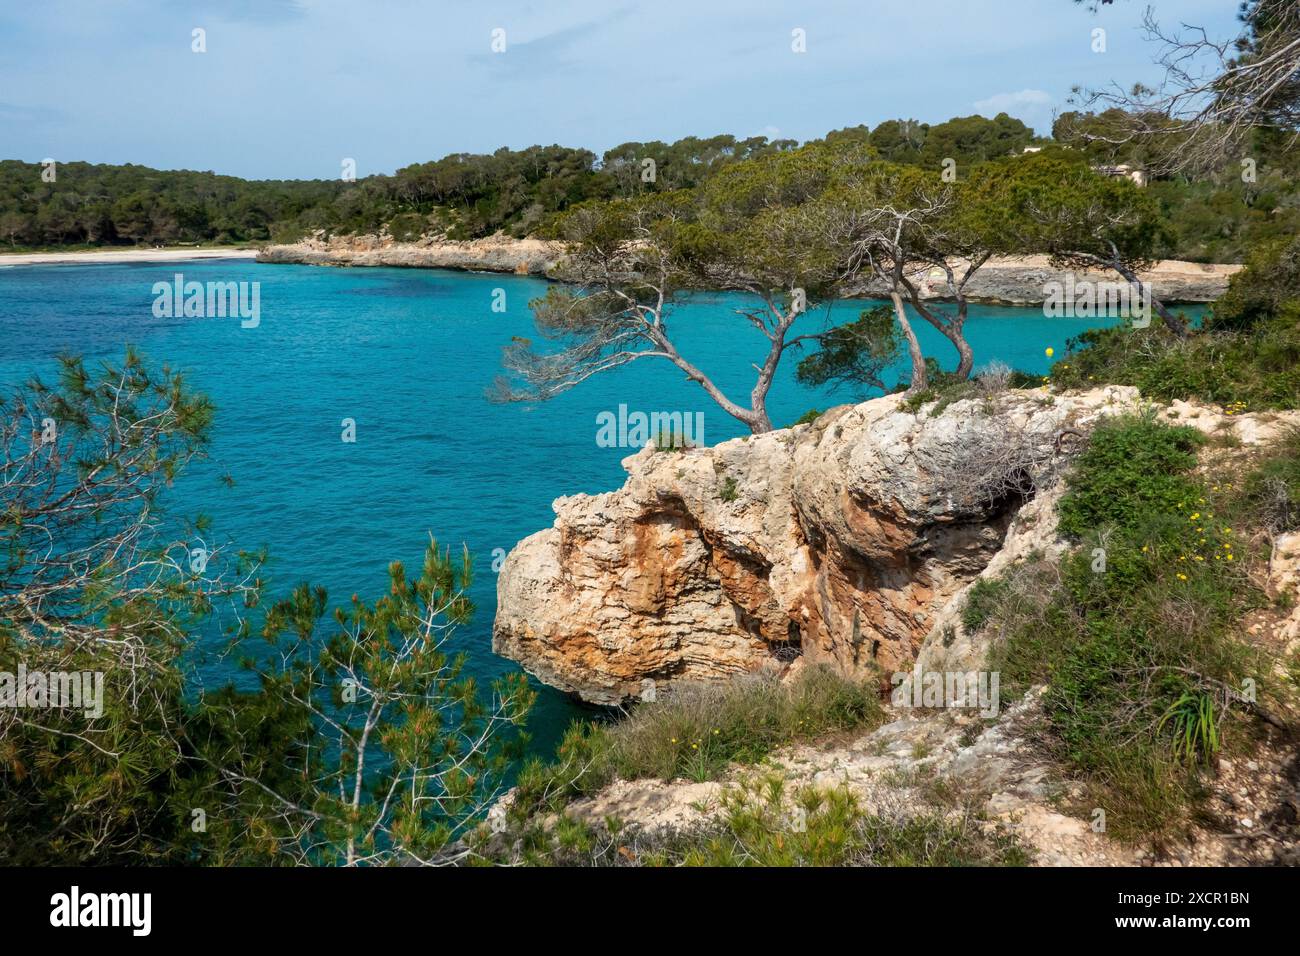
(466,195)
(1019,379)
(1133,467)
(763,821)
(968,140)
(942,387)
(1195,727)
(1239,371)
(699,733)
(1053,202)
(752,227)
(86,588)
(1271,496)
(1216,218)
(728,491)
(808,417)
(404,753)
(1222,220)
(897,141)
(511,190)
(1139,652)
(463,195)
(765,826)
(855,354)
(1096,136)
(1246,355)
(91,204)
(670,440)
(365,745)
(1268,285)
(683,164)
(972,140)
(982,600)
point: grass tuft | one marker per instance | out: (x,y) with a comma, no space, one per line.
(699,733)
(764,822)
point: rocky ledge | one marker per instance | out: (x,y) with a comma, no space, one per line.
(837,541)
(848,541)
(492,254)
(1009,281)
(1024,280)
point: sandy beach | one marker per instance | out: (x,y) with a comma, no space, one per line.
(121,255)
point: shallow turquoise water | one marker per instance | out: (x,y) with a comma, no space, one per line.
(408,355)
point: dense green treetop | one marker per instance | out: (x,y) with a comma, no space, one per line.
(520,192)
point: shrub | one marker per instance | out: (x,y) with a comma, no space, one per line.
(699,733)
(1260,370)
(982,600)
(1132,649)
(1246,354)
(1133,466)
(1260,291)
(701,730)
(765,822)
(1272,490)
(1019,379)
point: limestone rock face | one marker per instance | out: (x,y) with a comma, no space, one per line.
(836,542)
(491,254)
(1023,280)
(1020,280)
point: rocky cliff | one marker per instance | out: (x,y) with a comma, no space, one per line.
(762,553)
(838,542)
(1018,281)
(1023,280)
(493,254)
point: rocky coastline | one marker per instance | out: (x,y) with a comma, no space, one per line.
(854,542)
(847,542)
(536,257)
(1007,281)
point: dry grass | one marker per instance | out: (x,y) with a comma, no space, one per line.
(699,733)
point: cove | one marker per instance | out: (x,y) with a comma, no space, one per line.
(408,355)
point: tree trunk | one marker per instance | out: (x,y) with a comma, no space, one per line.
(1171,321)
(755,417)
(913,346)
(966,361)
(950,330)
(760,423)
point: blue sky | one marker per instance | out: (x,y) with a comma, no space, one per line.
(288,88)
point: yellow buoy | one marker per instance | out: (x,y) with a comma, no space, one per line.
(1050,352)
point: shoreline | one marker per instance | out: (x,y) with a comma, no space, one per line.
(103,256)
(1011,280)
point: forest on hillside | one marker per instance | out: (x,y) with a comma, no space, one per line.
(1213,217)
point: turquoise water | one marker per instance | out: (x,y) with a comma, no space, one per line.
(408,355)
